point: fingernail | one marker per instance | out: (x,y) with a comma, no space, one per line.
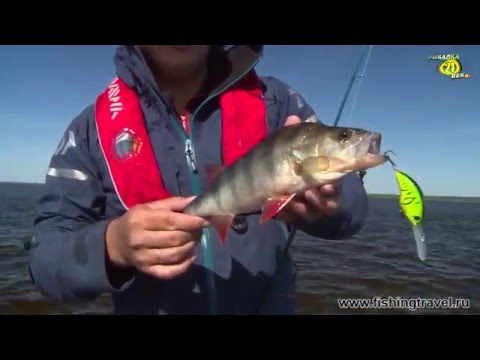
(193,258)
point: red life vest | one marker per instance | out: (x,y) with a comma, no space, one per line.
(135,174)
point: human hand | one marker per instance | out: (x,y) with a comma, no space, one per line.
(155,238)
(312,204)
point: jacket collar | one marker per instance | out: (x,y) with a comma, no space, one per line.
(132,68)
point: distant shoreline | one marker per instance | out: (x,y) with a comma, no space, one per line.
(19,183)
(465,199)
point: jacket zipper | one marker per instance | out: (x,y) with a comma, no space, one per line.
(188,139)
(189,146)
(189,152)
(190,156)
(191,160)
(192,164)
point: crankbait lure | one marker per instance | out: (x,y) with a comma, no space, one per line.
(411,201)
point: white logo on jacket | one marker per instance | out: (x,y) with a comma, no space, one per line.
(114,97)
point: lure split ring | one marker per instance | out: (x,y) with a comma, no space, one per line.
(389,158)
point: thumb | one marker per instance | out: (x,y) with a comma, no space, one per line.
(174,203)
(292,120)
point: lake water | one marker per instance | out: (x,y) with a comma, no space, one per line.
(380,261)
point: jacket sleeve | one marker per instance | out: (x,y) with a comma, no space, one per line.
(67,253)
(353,198)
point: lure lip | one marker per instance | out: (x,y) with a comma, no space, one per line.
(420,241)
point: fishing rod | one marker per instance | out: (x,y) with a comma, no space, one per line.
(411,199)
(364,58)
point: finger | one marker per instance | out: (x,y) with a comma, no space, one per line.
(311,207)
(165,256)
(328,190)
(331,207)
(294,209)
(167,272)
(309,202)
(171,221)
(313,200)
(317,204)
(287,215)
(292,120)
(331,189)
(169,239)
(174,203)
(303,211)
(172,256)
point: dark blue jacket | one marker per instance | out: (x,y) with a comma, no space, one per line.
(67,257)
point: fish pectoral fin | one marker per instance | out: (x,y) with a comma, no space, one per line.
(312,165)
(222,223)
(273,206)
(316,163)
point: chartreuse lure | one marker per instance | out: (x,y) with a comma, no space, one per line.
(411,201)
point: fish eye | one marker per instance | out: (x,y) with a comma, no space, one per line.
(344,135)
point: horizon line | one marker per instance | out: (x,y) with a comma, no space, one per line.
(368,193)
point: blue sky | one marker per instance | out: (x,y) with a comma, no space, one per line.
(431,122)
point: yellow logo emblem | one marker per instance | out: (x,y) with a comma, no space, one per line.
(450,66)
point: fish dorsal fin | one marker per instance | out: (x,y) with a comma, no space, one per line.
(213,171)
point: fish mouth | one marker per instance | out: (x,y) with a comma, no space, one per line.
(365,145)
(364,153)
(375,143)
(369,155)
(370,145)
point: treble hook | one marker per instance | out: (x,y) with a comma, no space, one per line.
(390,159)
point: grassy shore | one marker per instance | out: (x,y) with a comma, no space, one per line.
(463,199)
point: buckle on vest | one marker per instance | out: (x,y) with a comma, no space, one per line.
(240,224)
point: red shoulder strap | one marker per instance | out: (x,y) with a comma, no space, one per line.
(129,154)
(126,146)
(244,118)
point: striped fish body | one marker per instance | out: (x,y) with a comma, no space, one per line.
(288,162)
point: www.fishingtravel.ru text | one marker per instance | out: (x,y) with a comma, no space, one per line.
(398,302)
